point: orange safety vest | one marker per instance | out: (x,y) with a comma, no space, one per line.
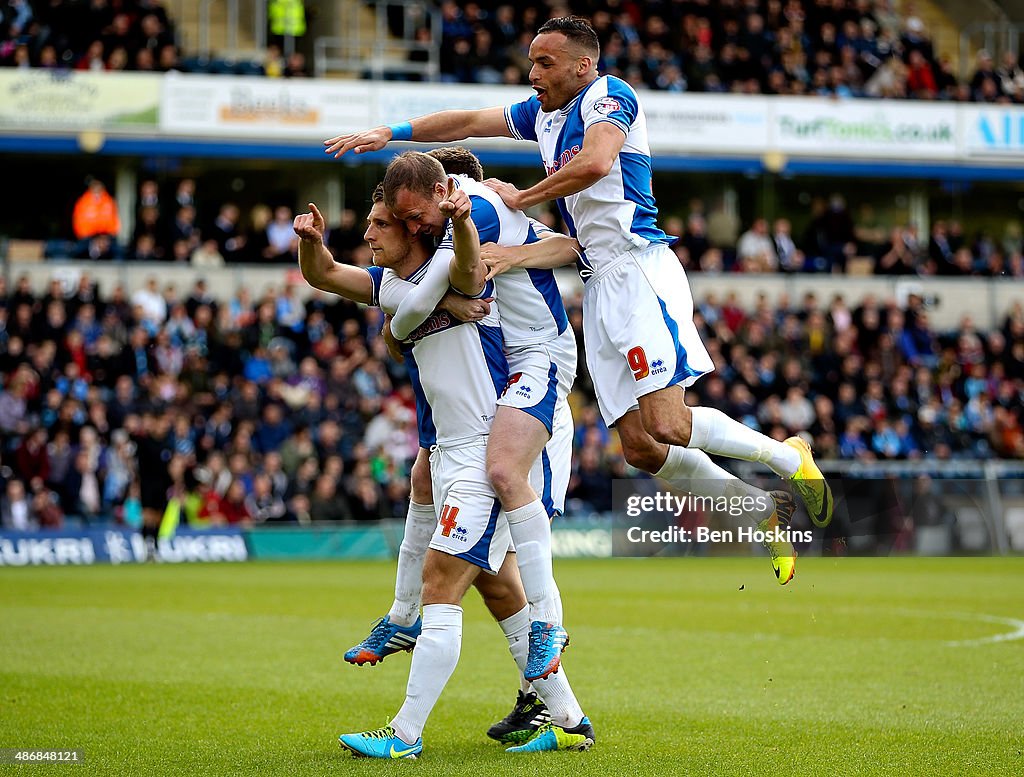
(95,214)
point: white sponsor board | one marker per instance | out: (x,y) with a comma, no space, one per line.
(996,131)
(864,128)
(74,100)
(181,105)
(269,108)
(697,122)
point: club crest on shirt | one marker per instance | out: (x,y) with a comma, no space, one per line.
(607,105)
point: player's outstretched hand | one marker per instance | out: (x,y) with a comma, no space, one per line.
(310,226)
(509,194)
(466,309)
(498,258)
(456,205)
(368,140)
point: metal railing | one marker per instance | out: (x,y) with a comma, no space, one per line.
(255,12)
(394,41)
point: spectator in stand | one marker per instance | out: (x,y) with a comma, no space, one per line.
(986,85)
(346,237)
(755,251)
(184,228)
(151,34)
(695,238)
(789,258)
(1011,77)
(941,250)
(263,505)
(282,245)
(93,58)
(16,509)
(889,80)
(257,243)
(295,66)
(920,79)
(233,506)
(896,258)
(326,504)
(95,212)
(144,61)
(152,303)
(207,255)
(226,232)
(946,81)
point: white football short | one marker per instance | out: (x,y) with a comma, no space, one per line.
(541,376)
(550,473)
(639,330)
(470,522)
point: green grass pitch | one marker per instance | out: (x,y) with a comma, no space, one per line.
(686,666)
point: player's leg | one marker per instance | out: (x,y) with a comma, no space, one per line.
(446,579)
(516,442)
(541,378)
(419,526)
(504,597)
(695,472)
(399,629)
(662,350)
(469,537)
(550,707)
(670,420)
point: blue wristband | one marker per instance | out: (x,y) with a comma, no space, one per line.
(401,131)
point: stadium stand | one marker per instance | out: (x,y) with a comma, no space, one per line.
(265,409)
(171,224)
(846,48)
(268,410)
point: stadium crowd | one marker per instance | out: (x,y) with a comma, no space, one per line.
(842,48)
(171,224)
(263,408)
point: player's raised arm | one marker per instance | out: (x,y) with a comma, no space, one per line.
(546,254)
(318,266)
(439,127)
(465,272)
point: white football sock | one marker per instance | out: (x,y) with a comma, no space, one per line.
(516,629)
(558,697)
(705,478)
(558,607)
(531,534)
(554,691)
(419,527)
(714,432)
(433,661)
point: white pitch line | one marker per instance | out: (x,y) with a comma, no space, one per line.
(1017,633)
(1009,636)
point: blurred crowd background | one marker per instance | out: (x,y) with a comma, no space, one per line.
(845,48)
(268,406)
(264,408)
